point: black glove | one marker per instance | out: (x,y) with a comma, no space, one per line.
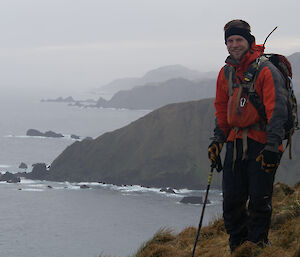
(269,160)
(214,150)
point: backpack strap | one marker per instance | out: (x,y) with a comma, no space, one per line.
(251,79)
(230,71)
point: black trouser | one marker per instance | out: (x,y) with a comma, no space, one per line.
(246,181)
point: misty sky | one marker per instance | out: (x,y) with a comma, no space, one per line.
(82,44)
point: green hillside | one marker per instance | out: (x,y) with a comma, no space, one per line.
(167,147)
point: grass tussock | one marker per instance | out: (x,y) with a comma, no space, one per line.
(284,234)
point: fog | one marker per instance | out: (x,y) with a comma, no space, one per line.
(61,47)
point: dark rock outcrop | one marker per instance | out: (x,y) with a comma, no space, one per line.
(10,178)
(14,180)
(52,134)
(75,136)
(23,166)
(60,99)
(34,133)
(39,172)
(37,133)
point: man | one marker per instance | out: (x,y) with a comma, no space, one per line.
(253,142)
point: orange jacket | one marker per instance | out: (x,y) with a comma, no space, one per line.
(269,87)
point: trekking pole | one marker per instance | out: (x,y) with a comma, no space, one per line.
(218,166)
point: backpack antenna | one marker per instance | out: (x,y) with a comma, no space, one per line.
(269,35)
(267,39)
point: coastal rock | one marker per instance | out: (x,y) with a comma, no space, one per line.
(167,190)
(39,172)
(23,166)
(34,133)
(75,136)
(10,178)
(14,180)
(84,186)
(37,133)
(193,200)
(52,134)
(60,99)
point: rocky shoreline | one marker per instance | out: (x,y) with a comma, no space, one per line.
(40,171)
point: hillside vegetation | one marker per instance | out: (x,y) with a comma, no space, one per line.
(213,240)
(167,147)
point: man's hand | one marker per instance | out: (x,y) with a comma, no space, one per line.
(269,160)
(214,150)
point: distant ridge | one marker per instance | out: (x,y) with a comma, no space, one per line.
(157,75)
(171,84)
(154,95)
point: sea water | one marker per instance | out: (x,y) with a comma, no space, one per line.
(52,219)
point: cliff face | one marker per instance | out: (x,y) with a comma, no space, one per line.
(167,147)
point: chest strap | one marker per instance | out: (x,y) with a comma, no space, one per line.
(256,126)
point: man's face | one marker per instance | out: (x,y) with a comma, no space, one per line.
(237,46)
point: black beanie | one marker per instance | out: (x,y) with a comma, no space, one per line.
(241,32)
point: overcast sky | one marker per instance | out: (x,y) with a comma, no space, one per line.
(83,44)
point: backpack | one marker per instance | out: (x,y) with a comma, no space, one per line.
(285,68)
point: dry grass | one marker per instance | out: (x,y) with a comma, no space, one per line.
(213,240)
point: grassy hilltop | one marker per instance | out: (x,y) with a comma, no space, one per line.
(213,240)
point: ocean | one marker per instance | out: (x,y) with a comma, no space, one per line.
(53,219)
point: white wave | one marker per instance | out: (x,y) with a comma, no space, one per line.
(29,181)
(73,187)
(138,189)
(39,185)
(65,136)
(129,189)
(88,183)
(32,189)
